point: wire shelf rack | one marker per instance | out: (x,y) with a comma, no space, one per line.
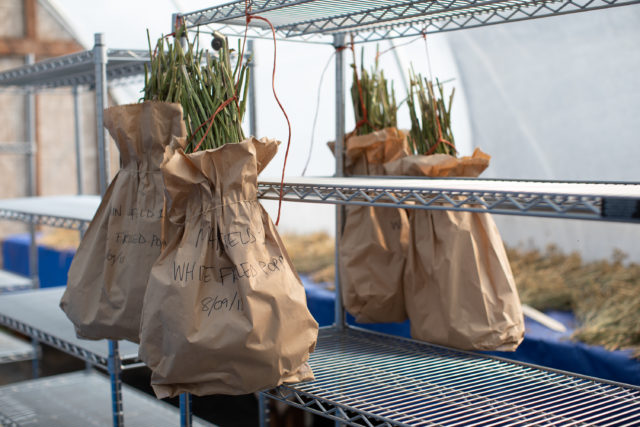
(72,212)
(79,400)
(13,349)
(36,313)
(76,69)
(385,19)
(602,201)
(570,200)
(11,282)
(371,379)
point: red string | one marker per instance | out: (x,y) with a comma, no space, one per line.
(210,120)
(249,17)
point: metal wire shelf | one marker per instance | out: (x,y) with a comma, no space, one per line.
(385,19)
(371,379)
(13,349)
(79,399)
(600,201)
(10,282)
(76,69)
(36,313)
(571,200)
(73,212)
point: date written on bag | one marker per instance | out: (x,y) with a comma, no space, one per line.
(192,271)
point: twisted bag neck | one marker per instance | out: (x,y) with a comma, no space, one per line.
(366,153)
(206,180)
(143,131)
(440,165)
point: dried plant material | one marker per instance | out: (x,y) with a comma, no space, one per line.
(311,253)
(604,295)
(430,115)
(374,100)
(59,238)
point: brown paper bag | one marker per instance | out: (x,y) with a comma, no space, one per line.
(458,285)
(109,273)
(224,312)
(373,240)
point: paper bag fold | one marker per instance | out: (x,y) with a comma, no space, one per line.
(224,311)
(458,285)
(109,273)
(373,240)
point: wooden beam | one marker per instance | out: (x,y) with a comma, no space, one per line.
(41,48)
(30,24)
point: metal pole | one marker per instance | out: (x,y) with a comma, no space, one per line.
(100,59)
(78,138)
(263,411)
(186,418)
(253,120)
(185,410)
(30,107)
(338,42)
(115,369)
(79,172)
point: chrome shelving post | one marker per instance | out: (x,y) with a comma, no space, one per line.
(338,44)
(31,191)
(185,398)
(78,140)
(100,60)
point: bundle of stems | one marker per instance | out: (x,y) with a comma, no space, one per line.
(201,83)
(431,125)
(374,95)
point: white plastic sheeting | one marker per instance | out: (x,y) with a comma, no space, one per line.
(558,98)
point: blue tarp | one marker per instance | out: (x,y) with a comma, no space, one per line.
(53,264)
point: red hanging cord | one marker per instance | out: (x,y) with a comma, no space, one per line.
(249,17)
(210,120)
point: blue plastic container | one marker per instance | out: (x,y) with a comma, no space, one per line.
(53,264)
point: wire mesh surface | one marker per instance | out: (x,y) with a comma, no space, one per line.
(76,69)
(13,349)
(576,200)
(57,211)
(37,313)
(364,378)
(10,282)
(383,19)
(80,399)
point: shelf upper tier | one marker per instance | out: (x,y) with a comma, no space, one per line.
(76,69)
(571,200)
(371,20)
(58,211)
